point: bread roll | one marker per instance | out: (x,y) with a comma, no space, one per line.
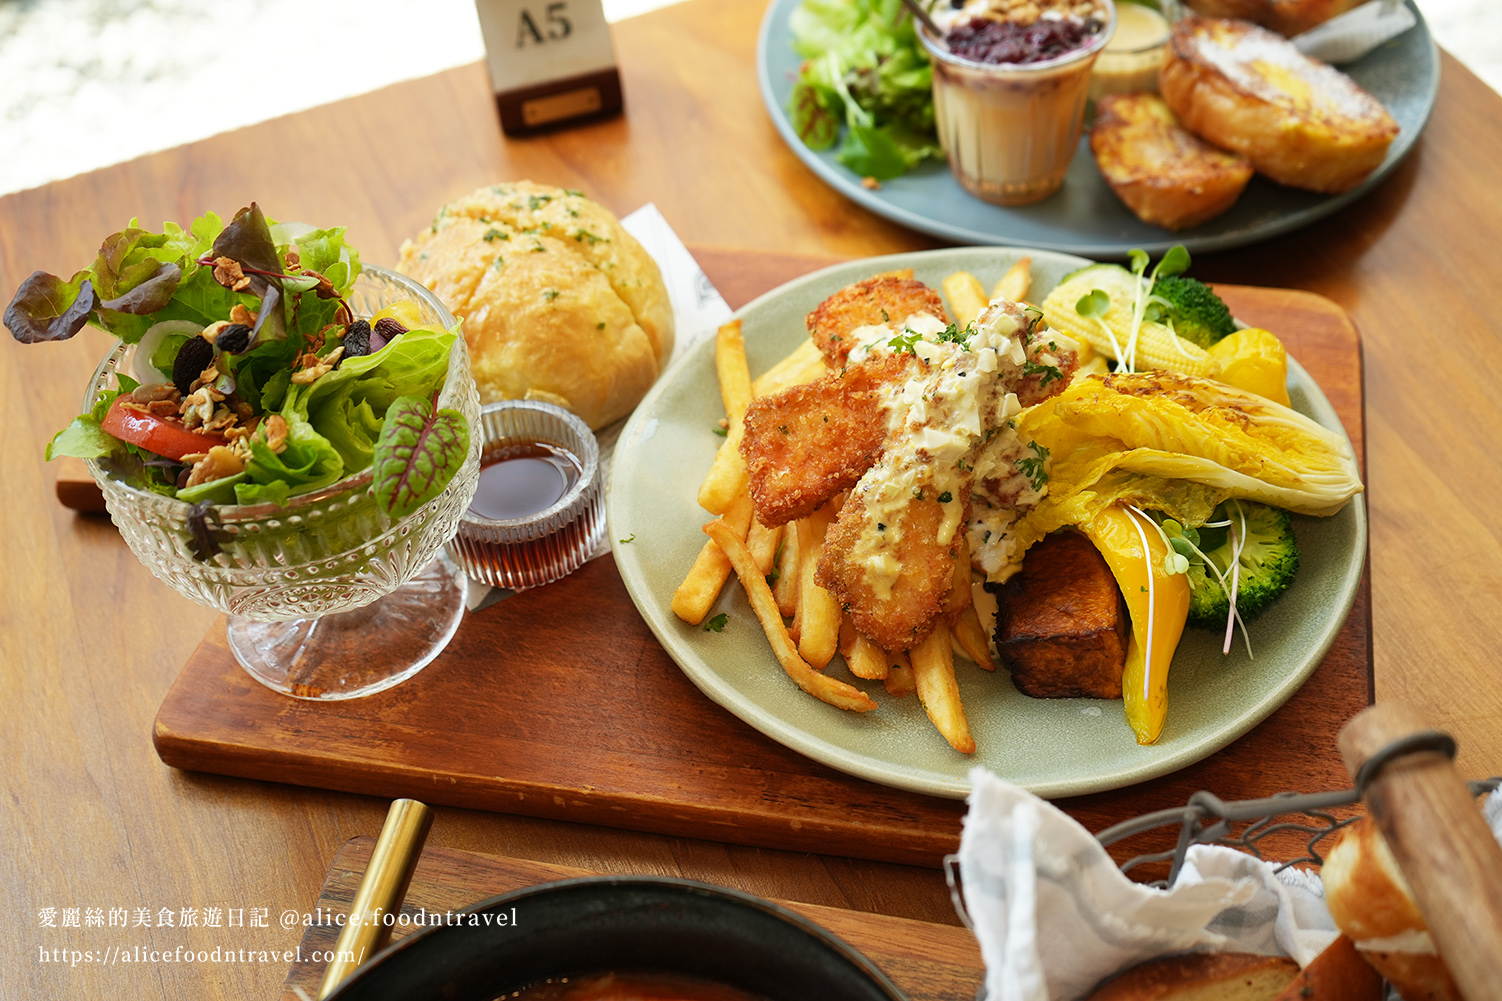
(559,302)
(1372,904)
(1165,174)
(1218,976)
(1248,90)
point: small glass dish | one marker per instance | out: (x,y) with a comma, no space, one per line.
(327,596)
(1010,130)
(539,511)
(1130,61)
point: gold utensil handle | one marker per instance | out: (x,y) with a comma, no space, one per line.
(1440,841)
(381,891)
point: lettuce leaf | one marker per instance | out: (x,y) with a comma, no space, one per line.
(419,451)
(863,63)
(83,439)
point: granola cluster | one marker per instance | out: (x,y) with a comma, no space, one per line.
(207,405)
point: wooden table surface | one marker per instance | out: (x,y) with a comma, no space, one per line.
(90,643)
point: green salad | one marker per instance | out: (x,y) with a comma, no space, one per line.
(865,84)
(252,381)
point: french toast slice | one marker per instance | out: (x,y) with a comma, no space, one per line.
(1164,173)
(1299,121)
(1286,17)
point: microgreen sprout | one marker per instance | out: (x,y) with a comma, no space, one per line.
(1093,306)
(1183,545)
(1176,261)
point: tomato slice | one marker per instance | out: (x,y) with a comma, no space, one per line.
(166,436)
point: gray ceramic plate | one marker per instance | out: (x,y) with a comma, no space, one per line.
(1085,216)
(1053,747)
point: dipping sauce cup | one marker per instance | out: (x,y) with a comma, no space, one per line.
(1010,130)
(1130,61)
(539,510)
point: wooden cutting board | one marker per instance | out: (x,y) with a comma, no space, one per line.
(929,962)
(559,703)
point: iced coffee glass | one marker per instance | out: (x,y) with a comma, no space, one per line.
(1009,129)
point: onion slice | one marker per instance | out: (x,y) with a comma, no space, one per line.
(140,363)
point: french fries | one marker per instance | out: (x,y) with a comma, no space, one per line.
(818,613)
(805,364)
(786,591)
(933,672)
(727,478)
(701,588)
(777,566)
(900,680)
(820,686)
(864,658)
(967,297)
(763,543)
(733,371)
(1014,284)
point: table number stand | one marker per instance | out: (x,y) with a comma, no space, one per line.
(551,62)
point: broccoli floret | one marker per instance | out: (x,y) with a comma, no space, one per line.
(1192,311)
(1269,560)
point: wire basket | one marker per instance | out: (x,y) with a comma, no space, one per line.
(1287,819)
(1209,820)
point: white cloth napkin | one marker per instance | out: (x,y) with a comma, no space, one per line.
(1350,36)
(698,310)
(1054,916)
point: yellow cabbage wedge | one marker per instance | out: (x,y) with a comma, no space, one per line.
(1179,445)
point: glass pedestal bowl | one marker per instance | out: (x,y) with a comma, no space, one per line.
(327,597)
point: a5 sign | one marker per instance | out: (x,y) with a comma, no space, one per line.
(550,61)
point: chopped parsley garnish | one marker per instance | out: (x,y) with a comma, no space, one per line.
(954,335)
(946,497)
(550,294)
(906,341)
(581,234)
(1049,372)
(722,432)
(535,202)
(1035,469)
(717,623)
(629,538)
(492,234)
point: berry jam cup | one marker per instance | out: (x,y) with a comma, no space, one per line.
(1010,130)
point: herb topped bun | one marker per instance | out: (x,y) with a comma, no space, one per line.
(559,302)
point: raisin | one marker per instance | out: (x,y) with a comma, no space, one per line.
(386,330)
(192,358)
(234,338)
(356,340)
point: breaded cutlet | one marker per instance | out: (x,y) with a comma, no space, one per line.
(881,301)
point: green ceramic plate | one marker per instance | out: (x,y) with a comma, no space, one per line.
(1056,747)
(1085,216)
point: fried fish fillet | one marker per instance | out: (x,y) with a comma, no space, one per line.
(900,615)
(806,444)
(880,301)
